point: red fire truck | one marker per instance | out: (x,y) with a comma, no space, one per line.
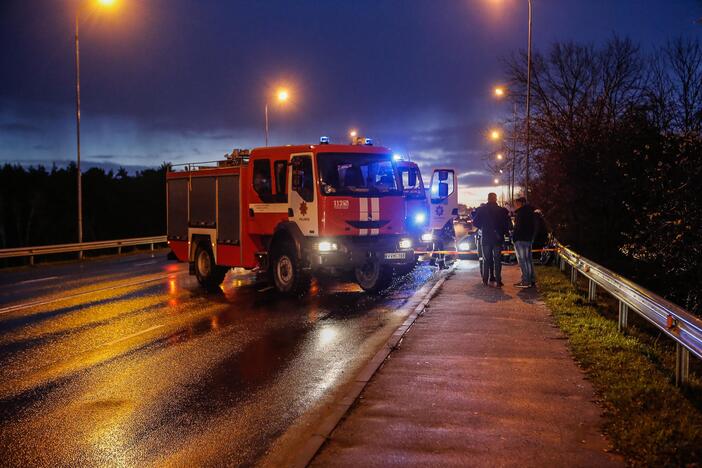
(291,211)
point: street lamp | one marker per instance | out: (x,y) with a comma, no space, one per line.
(499,156)
(281,95)
(103,3)
(495,134)
(528,110)
(500,92)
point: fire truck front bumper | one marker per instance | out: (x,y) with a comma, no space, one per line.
(350,252)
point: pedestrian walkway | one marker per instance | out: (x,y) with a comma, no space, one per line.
(484,378)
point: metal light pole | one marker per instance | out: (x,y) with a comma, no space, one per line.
(265,111)
(281,95)
(528,109)
(80,187)
(514,149)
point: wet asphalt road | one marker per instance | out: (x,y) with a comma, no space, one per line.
(126,361)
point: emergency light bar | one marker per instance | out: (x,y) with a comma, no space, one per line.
(324,140)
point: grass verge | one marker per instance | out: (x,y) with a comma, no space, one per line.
(648,420)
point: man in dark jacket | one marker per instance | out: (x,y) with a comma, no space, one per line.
(493,222)
(523,237)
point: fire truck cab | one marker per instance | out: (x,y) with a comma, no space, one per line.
(291,211)
(443,200)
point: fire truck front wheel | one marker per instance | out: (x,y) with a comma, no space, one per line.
(208,273)
(288,275)
(373,277)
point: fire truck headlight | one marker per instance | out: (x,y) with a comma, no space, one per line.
(419,218)
(327,246)
(427,237)
(464,246)
(405,243)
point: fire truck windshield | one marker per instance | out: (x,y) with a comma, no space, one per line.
(359,175)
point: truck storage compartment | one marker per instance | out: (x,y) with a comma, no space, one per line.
(177,209)
(228,209)
(203,210)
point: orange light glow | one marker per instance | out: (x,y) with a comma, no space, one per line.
(495,135)
(107,3)
(283,95)
(500,156)
(499,91)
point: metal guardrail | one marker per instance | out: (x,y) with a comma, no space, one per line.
(678,324)
(31,252)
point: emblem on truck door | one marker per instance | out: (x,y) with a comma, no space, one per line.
(439,210)
(303,208)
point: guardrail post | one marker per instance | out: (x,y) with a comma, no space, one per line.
(591,291)
(80,255)
(573,275)
(562,263)
(119,250)
(623,316)
(152,246)
(682,365)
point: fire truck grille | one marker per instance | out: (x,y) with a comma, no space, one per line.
(368,224)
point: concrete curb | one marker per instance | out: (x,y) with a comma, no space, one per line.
(340,407)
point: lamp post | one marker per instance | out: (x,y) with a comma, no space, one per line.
(528,109)
(107,4)
(500,92)
(281,95)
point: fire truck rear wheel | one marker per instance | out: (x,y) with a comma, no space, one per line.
(208,273)
(373,277)
(288,275)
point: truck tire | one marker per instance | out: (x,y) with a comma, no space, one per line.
(373,277)
(208,273)
(286,271)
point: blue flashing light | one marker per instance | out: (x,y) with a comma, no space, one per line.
(420,218)
(368,141)
(397,157)
(324,140)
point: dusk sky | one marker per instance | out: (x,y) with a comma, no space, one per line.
(184,80)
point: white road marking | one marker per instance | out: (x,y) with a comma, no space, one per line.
(38,280)
(146,263)
(265,289)
(118,340)
(16,307)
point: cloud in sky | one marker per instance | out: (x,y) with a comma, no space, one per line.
(177,80)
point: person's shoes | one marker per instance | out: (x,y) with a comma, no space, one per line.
(523,285)
(485,283)
(492,279)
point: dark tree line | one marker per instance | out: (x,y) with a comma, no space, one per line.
(38,206)
(617,157)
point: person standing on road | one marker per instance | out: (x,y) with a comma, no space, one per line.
(523,237)
(494,223)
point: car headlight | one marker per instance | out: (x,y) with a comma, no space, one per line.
(428,237)
(464,246)
(327,246)
(405,243)
(420,218)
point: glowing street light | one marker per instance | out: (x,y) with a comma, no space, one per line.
(499,92)
(497,181)
(106,4)
(495,134)
(282,95)
(500,156)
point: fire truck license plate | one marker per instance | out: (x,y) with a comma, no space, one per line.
(394,256)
